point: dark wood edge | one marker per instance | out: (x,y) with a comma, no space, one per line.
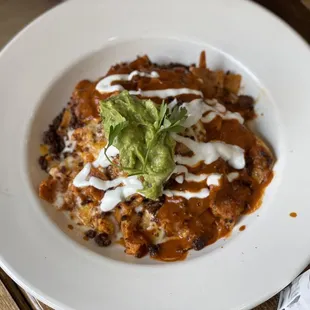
(15,291)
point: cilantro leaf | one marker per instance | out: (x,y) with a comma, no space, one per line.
(114,132)
(173,122)
(161,116)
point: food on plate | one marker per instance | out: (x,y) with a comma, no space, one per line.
(156,157)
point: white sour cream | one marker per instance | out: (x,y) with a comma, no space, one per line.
(104,85)
(112,197)
(80,179)
(232,176)
(197,108)
(153,74)
(214,179)
(210,152)
(125,187)
(180,179)
(102,159)
(164,93)
(189,177)
(204,193)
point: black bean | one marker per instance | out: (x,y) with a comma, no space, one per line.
(169,183)
(249,164)
(86,201)
(153,249)
(104,214)
(230,221)
(58,146)
(162,198)
(102,240)
(90,234)
(43,163)
(124,217)
(51,138)
(199,243)
(57,120)
(267,157)
(74,122)
(246,102)
(141,252)
(153,205)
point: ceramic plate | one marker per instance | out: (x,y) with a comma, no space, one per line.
(82,39)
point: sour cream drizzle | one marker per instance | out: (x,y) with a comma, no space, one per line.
(104,86)
(112,195)
(197,108)
(184,175)
(189,177)
(204,193)
(210,152)
(214,179)
(102,160)
(164,93)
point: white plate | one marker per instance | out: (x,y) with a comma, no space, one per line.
(81,39)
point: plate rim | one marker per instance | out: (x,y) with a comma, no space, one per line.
(7,47)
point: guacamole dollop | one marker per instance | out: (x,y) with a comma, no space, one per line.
(146,149)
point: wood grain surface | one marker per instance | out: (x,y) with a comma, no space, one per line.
(6,301)
(15,14)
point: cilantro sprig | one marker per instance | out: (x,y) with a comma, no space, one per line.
(171,121)
(114,132)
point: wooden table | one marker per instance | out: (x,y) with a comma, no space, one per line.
(15,14)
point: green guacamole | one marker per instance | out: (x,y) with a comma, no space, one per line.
(144,149)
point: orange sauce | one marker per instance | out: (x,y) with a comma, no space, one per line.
(173,250)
